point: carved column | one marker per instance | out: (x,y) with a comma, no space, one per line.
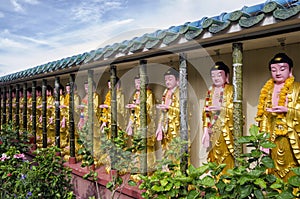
(17,111)
(4,106)
(90,109)
(143,114)
(72,158)
(10,110)
(237,60)
(183,95)
(44,112)
(113,102)
(24,110)
(1,102)
(57,112)
(34,111)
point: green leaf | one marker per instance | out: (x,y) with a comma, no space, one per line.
(254,130)
(193,194)
(164,182)
(157,188)
(276,185)
(268,144)
(286,195)
(244,139)
(208,181)
(294,181)
(246,191)
(131,183)
(109,185)
(260,182)
(258,194)
(268,162)
(296,170)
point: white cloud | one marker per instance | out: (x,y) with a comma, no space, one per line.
(17,6)
(33,2)
(97,31)
(1,15)
(88,11)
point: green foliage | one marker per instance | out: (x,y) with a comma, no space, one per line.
(8,139)
(249,179)
(43,177)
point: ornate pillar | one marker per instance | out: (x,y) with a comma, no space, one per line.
(1,102)
(143,114)
(24,110)
(10,104)
(183,95)
(237,79)
(17,113)
(114,119)
(34,112)
(4,106)
(90,109)
(44,112)
(72,159)
(57,112)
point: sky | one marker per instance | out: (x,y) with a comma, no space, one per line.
(35,32)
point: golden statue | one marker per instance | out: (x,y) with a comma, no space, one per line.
(50,116)
(29,109)
(50,121)
(84,118)
(169,122)
(133,127)
(218,118)
(77,101)
(105,118)
(278,114)
(21,105)
(39,129)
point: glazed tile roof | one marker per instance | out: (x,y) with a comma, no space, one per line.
(247,17)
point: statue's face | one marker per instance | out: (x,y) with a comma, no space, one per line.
(218,77)
(48,93)
(171,81)
(137,83)
(28,94)
(68,89)
(86,88)
(280,72)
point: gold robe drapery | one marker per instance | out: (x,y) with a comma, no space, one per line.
(221,139)
(285,131)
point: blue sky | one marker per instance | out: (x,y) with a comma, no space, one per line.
(34,32)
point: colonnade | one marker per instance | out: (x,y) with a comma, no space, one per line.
(12,109)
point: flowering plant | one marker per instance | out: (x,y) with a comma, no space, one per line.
(43,177)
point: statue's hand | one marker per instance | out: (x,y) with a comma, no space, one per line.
(159,132)
(212,108)
(277,109)
(162,106)
(267,151)
(51,120)
(130,106)
(102,126)
(129,128)
(80,123)
(63,122)
(103,106)
(206,137)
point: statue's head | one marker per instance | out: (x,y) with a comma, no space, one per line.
(281,67)
(219,74)
(281,58)
(171,78)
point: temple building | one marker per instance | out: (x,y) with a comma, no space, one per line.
(244,39)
